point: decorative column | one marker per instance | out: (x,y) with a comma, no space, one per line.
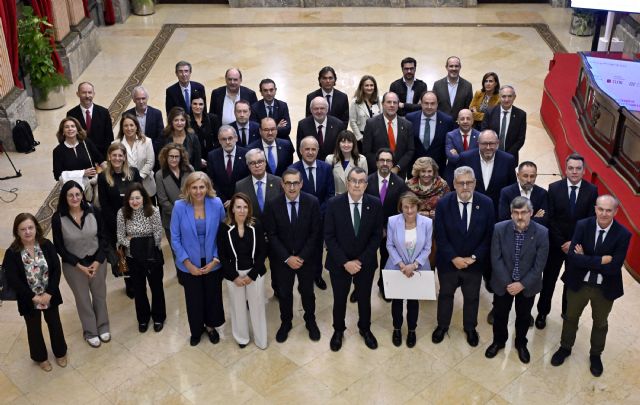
(76,37)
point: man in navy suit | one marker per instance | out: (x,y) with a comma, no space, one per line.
(180,93)
(593,275)
(526,187)
(509,122)
(462,227)
(408,88)
(279,152)
(269,106)
(149,118)
(248,131)
(322,126)
(337,100)
(461,139)
(430,128)
(94,119)
(570,200)
(224,98)
(226,165)
(352,232)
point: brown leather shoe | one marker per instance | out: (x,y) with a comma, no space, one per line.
(46,366)
(62,361)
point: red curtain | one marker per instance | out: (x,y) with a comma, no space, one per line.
(109,13)
(10,28)
(85,5)
(42,8)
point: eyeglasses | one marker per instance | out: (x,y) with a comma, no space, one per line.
(269,130)
(390,161)
(292,183)
(488,143)
(356,182)
(256,162)
(465,183)
(173,157)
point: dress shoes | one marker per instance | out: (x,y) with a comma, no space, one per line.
(62,361)
(283,333)
(320,283)
(596,365)
(438,335)
(396,337)
(493,350)
(472,337)
(193,341)
(142,327)
(490,317)
(369,339)
(352,297)
(214,337)
(541,321)
(336,341)
(46,366)
(523,354)
(157,326)
(411,338)
(314,332)
(242,345)
(559,356)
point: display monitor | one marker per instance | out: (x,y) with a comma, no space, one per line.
(620,79)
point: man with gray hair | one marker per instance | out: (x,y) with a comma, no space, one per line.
(226,165)
(508,121)
(260,186)
(320,125)
(181,93)
(149,118)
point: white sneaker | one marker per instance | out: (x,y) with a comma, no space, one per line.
(105,337)
(94,341)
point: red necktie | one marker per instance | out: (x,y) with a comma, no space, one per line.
(87,120)
(320,137)
(229,168)
(392,138)
(465,141)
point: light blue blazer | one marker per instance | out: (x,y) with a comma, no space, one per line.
(184,237)
(395,243)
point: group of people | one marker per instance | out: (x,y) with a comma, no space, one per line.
(408,183)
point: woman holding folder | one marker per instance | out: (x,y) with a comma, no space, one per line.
(409,245)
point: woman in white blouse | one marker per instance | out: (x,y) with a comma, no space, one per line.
(139,151)
(365,105)
(344,158)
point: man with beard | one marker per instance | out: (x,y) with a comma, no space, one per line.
(526,187)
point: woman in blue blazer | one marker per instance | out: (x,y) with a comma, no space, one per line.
(409,246)
(194,227)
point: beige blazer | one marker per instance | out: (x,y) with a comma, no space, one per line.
(340,175)
(358,116)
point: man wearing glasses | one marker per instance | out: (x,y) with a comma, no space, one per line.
(260,186)
(279,152)
(408,88)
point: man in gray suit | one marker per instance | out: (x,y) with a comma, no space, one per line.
(260,186)
(454,93)
(519,249)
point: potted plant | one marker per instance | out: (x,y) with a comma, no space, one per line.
(143,7)
(583,22)
(35,49)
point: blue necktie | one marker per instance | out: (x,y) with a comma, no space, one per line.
(572,200)
(186,100)
(271,159)
(260,195)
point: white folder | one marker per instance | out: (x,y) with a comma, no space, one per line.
(422,286)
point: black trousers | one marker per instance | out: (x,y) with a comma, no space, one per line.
(142,272)
(501,308)
(285,279)
(413,308)
(203,296)
(37,347)
(469,282)
(341,283)
(555,260)
(384,256)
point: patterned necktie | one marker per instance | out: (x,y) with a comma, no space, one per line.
(572,200)
(356,218)
(465,141)
(465,218)
(187,101)
(383,190)
(312,180)
(271,159)
(503,129)
(229,167)
(294,213)
(87,120)
(426,136)
(260,195)
(320,137)
(392,138)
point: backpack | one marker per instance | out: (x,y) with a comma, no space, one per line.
(23,137)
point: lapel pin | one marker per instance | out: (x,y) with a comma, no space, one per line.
(367,207)
(477,207)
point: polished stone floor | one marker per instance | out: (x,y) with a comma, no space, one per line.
(162,368)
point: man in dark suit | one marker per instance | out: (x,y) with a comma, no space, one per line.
(461,139)
(338,101)
(293,228)
(248,131)
(224,98)
(180,93)
(408,88)
(94,119)
(388,130)
(279,152)
(226,165)
(454,93)
(462,227)
(519,249)
(430,128)
(508,121)
(149,118)
(260,186)
(352,232)
(322,126)
(570,200)
(269,106)
(387,187)
(596,254)
(526,187)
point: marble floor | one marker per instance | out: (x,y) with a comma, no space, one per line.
(163,368)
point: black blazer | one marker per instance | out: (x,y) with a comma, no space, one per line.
(111,200)
(464,95)
(436,150)
(154,125)
(175,98)
(207,132)
(272,189)
(615,244)
(375,137)
(561,224)
(65,158)
(280,112)
(217,98)
(339,105)
(342,243)
(325,186)
(538,199)
(398,87)
(284,150)
(395,188)
(217,171)
(253,135)
(516,132)
(101,133)
(228,238)
(307,127)
(17,279)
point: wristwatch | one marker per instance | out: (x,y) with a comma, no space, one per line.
(473,257)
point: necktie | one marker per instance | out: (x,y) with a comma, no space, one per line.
(87,120)
(593,275)
(320,137)
(392,138)
(186,100)
(464,216)
(328,96)
(503,129)
(294,213)
(243,134)
(271,159)
(229,167)
(356,218)
(383,190)
(572,200)
(312,181)
(260,195)
(426,136)
(269,111)
(465,141)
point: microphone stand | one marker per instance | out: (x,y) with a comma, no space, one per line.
(18,174)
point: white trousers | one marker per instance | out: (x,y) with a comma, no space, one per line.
(240,316)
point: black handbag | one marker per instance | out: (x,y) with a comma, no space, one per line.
(6,293)
(144,249)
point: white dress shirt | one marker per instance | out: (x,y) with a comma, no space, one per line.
(604,236)
(228,108)
(469,210)
(487,170)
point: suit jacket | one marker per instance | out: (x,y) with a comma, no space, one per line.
(339,105)
(395,188)
(615,244)
(253,135)
(436,149)
(175,98)
(533,257)
(358,116)
(516,132)
(154,125)
(503,174)
(452,239)
(340,173)
(101,133)
(284,151)
(538,199)
(307,126)
(561,223)
(229,242)
(400,89)
(280,112)
(464,95)
(272,189)
(453,140)
(325,188)
(217,98)
(342,243)
(217,171)
(168,193)
(375,137)
(396,246)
